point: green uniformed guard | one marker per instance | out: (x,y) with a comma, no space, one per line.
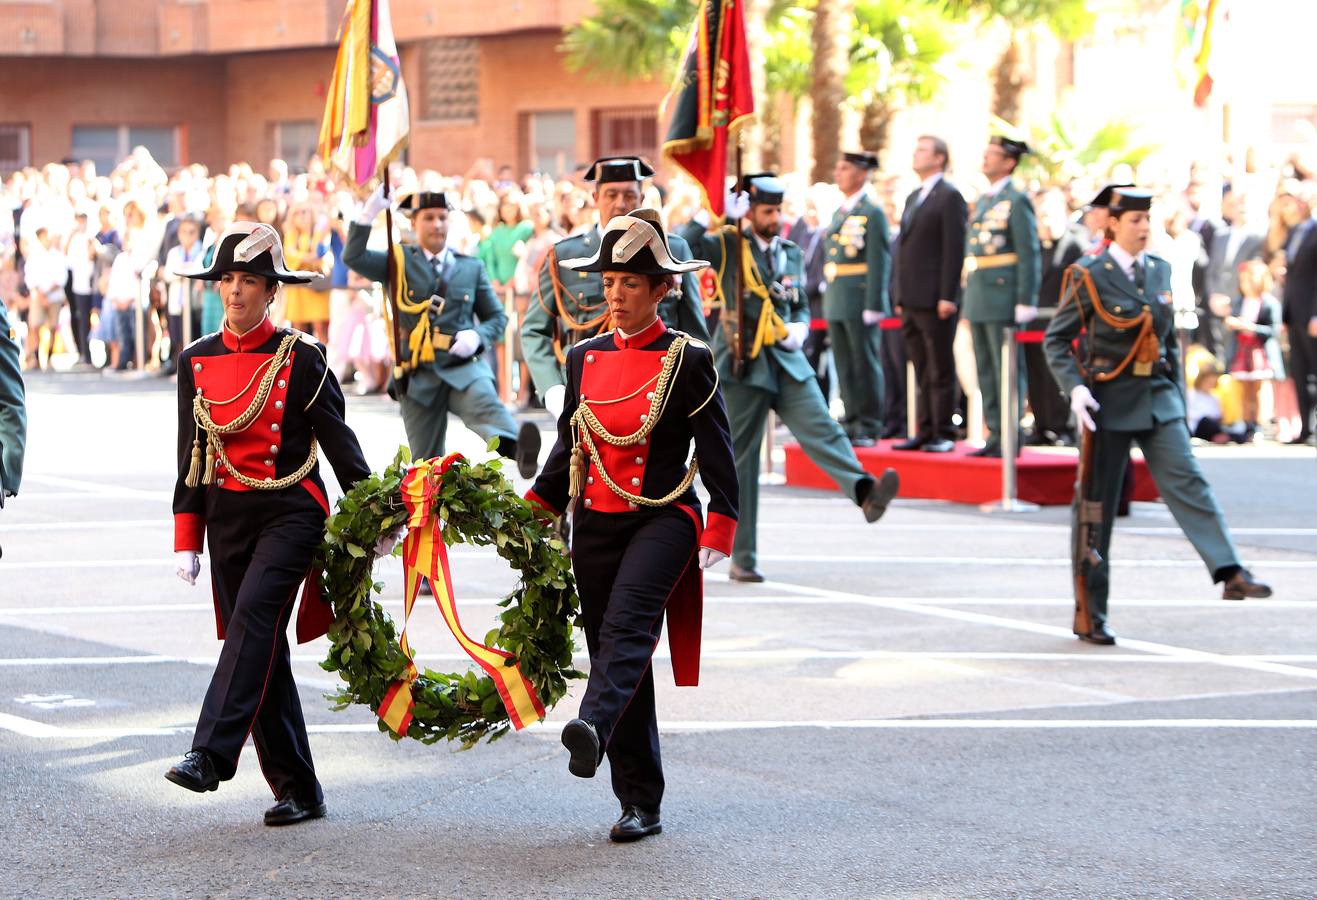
(1003,269)
(1127,386)
(13,413)
(465,318)
(569,306)
(856,270)
(776,375)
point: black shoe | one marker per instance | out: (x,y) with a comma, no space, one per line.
(987,450)
(880,495)
(528,450)
(891,434)
(195,772)
(750,576)
(1099,635)
(941,445)
(1242,585)
(289,810)
(634,824)
(914,443)
(581,739)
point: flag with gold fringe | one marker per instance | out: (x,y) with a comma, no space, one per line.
(367,119)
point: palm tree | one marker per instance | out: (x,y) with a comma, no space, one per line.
(827,92)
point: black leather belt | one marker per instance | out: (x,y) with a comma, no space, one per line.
(1161,367)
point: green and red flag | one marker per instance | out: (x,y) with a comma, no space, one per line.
(713,97)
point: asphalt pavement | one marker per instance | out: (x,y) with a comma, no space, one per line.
(899,711)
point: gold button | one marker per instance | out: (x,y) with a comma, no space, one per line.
(274,448)
(635,482)
(649,396)
(589,479)
(278,404)
(644,417)
(640,460)
(274,427)
(589,502)
(220,482)
(269,462)
(644,441)
(282,383)
(589,357)
(197,367)
(268,479)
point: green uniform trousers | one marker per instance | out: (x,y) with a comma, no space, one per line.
(804,411)
(478,406)
(859,375)
(1182,485)
(988,338)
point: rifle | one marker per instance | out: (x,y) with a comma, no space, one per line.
(738,339)
(1087,530)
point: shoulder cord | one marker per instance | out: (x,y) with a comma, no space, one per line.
(770,328)
(1146,347)
(420,348)
(600,323)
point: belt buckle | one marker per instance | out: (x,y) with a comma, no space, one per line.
(1142,369)
(830,271)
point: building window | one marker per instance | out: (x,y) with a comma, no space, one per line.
(15,147)
(108,145)
(630,131)
(296,142)
(550,142)
(450,81)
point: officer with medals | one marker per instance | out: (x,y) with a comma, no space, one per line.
(855,299)
(451,307)
(1003,270)
(776,374)
(256,406)
(13,411)
(1126,386)
(569,306)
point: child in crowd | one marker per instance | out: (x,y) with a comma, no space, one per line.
(1204,408)
(1253,349)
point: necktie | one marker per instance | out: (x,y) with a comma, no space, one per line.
(1138,274)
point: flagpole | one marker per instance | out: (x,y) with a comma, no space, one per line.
(390,279)
(738,351)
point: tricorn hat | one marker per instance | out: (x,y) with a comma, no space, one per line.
(763,187)
(862,158)
(618,168)
(1103,198)
(1129,199)
(1011,147)
(634,243)
(419,200)
(252,247)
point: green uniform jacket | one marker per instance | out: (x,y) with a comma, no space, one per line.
(1128,402)
(1002,223)
(788,301)
(13,414)
(681,310)
(469,304)
(859,262)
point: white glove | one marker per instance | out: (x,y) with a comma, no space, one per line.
(1081,401)
(554,400)
(372,207)
(384,546)
(872,316)
(796,334)
(736,205)
(465,343)
(1025,314)
(189,565)
(710,557)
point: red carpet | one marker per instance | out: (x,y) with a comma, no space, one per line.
(1045,477)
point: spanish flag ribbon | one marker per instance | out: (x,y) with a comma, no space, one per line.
(771,328)
(425,555)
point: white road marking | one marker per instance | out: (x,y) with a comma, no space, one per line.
(98,488)
(1038,527)
(75,525)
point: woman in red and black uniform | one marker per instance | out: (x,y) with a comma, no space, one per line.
(636,398)
(255,405)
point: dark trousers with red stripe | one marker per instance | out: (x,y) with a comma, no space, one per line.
(260,550)
(626,566)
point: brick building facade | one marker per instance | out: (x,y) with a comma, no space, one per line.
(223,81)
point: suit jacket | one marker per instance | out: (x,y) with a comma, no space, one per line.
(1223,271)
(13,411)
(469,304)
(810,241)
(1129,402)
(858,260)
(545,333)
(1300,301)
(1003,223)
(1201,277)
(932,247)
(1056,259)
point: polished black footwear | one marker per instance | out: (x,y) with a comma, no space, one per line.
(1099,635)
(528,450)
(195,772)
(634,824)
(880,494)
(749,576)
(581,739)
(941,445)
(987,450)
(1242,585)
(290,810)
(914,443)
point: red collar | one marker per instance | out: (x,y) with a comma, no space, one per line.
(246,343)
(643,339)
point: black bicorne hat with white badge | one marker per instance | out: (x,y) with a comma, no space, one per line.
(618,168)
(251,247)
(419,200)
(634,243)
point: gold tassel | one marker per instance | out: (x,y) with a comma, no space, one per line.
(193,469)
(209,477)
(576,480)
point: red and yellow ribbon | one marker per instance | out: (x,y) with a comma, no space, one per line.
(425,555)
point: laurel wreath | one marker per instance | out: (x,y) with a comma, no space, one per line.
(476,506)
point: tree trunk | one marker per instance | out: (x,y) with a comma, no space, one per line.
(831,39)
(1011,77)
(755,134)
(770,148)
(875,125)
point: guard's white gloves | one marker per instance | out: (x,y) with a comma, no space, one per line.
(1025,314)
(554,400)
(872,316)
(372,206)
(736,204)
(465,343)
(384,546)
(796,334)
(188,565)
(1081,401)
(710,557)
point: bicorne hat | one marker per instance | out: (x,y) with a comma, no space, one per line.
(863,158)
(419,200)
(763,187)
(1011,147)
(1103,198)
(252,247)
(618,168)
(634,243)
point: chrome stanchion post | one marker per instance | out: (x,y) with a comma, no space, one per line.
(911,400)
(1010,429)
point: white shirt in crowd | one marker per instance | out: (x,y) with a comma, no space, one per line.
(181,287)
(82,266)
(1201,405)
(46,270)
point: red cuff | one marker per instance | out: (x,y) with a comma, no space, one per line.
(718,533)
(535,499)
(189,532)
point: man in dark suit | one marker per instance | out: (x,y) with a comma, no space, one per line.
(1062,243)
(807,234)
(927,289)
(1233,245)
(1207,229)
(1300,311)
